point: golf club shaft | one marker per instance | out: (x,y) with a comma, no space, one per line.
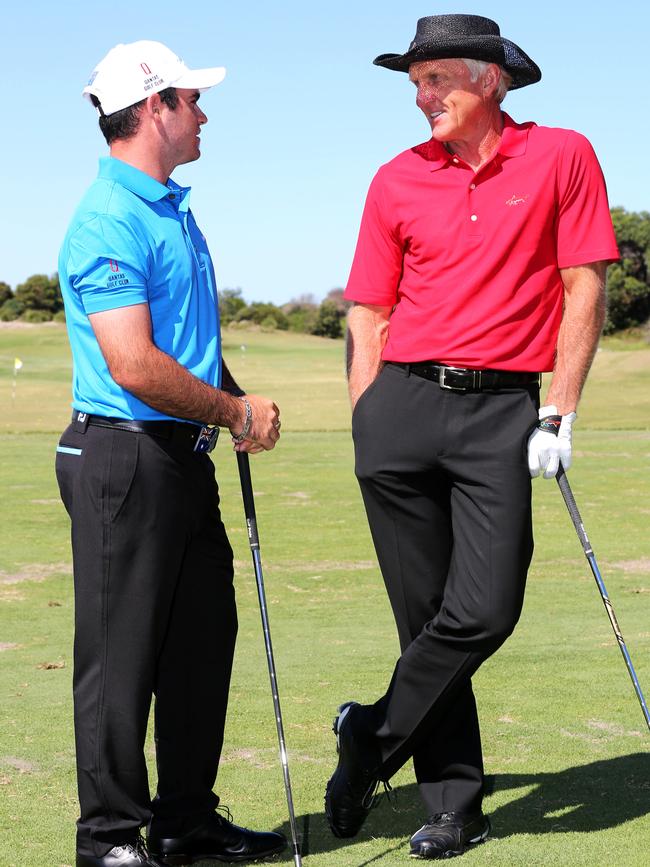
(569,499)
(253,538)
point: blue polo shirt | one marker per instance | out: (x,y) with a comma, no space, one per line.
(133,240)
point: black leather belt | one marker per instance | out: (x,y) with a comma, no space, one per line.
(179,432)
(466,379)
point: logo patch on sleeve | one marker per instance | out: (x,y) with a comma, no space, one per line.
(116,278)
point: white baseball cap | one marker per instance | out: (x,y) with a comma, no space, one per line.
(132,72)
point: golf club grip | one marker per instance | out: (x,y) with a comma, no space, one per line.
(244,466)
(572,507)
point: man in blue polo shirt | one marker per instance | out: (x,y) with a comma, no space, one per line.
(154,601)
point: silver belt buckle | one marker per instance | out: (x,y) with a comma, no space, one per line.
(442,379)
(207,439)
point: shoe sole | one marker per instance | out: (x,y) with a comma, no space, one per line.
(182,860)
(452,853)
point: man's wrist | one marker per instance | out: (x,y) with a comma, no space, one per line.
(559,407)
(549,419)
(552,421)
(233,389)
(248,422)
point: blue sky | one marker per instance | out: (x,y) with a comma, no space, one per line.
(302,120)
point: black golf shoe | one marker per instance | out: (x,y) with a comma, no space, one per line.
(350,792)
(449,834)
(127,855)
(216,840)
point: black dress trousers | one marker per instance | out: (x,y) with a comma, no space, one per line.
(154,615)
(447,491)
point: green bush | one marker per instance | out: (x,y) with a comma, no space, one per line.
(35,316)
(260,312)
(269,324)
(302,318)
(40,292)
(11,310)
(59,317)
(628,283)
(230,303)
(628,300)
(329,322)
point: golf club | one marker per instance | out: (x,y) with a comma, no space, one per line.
(569,499)
(253,538)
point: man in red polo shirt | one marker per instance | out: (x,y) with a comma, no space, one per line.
(480,263)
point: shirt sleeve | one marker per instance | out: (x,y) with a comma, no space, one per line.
(108,265)
(378,259)
(584,225)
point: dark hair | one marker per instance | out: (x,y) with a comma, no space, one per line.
(124,123)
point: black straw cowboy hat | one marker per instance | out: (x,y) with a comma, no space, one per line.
(471,36)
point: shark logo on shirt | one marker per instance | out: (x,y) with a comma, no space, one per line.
(516,200)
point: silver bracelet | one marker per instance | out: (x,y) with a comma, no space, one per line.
(248,421)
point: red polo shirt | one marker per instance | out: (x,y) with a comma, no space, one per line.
(471,261)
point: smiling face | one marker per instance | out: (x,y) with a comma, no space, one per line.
(183,127)
(455,106)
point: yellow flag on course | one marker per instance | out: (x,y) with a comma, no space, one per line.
(17,364)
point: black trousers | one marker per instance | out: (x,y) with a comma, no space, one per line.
(154,615)
(446,487)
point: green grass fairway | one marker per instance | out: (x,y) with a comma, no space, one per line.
(565,742)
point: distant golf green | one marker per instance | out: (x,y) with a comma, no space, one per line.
(564,738)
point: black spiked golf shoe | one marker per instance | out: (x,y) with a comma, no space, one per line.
(350,792)
(217,840)
(127,855)
(449,834)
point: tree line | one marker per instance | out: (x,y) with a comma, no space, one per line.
(302,314)
(39,298)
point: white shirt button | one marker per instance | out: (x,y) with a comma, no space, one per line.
(472,186)
(473,218)
(455,160)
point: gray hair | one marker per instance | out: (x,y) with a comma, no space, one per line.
(478,67)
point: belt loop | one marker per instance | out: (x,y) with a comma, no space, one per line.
(407,368)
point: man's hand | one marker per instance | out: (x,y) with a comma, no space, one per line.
(550,443)
(262,430)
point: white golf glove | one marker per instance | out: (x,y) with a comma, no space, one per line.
(550,443)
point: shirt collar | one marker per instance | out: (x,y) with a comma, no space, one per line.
(514,140)
(180,195)
(133,179)
(434,153)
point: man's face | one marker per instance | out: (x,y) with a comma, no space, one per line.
(453,104)
(183,127)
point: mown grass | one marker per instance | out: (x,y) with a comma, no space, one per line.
(565,742)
